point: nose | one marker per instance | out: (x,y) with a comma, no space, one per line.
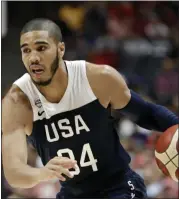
(34,59)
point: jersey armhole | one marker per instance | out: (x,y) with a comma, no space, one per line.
(87,86)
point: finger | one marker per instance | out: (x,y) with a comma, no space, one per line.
(66,162)
(68,165)
(59,169)
(52,174)
(56,175)
(60,177)
(64,165)
(67,172)
(63,159)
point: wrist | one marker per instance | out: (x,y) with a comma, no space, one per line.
(40,175)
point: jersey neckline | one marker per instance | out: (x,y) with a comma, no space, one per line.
(67,91)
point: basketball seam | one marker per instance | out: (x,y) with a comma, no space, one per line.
(169,145)
(171,160)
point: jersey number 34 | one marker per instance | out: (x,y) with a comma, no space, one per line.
(86,151)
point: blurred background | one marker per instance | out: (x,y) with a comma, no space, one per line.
(139,39)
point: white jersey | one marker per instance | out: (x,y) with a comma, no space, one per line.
(77,94)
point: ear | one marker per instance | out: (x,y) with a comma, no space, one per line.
(61,49)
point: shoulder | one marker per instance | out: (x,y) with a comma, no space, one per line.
(16,96)
(104,72)
(15,103)
(16,110)
(108,84)
(99,77)
(105,75)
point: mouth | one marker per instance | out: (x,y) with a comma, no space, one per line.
(37,69)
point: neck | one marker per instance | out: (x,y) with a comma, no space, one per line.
(56,89)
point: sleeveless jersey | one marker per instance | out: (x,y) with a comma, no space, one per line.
(78,127)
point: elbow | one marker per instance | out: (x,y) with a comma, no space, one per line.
(17,184)
(11,179)
(20,186)
(14,184)
(16,181)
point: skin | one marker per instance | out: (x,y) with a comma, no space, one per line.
(17,112)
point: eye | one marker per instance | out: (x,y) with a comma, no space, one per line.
(26,50)
(41,48)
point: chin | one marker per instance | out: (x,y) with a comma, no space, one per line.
(42,82)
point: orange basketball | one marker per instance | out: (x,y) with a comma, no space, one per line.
(166,152)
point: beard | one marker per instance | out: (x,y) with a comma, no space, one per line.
(54,67)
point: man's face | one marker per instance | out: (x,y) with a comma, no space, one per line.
(40,55)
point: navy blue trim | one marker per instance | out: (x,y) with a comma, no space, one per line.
(148,115)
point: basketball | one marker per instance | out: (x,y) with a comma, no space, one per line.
(166,152)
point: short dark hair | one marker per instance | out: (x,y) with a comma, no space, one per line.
(41,24)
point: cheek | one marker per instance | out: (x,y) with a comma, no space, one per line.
(25,62)
(24,58)
(50,58)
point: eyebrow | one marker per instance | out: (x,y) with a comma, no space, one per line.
(36,43)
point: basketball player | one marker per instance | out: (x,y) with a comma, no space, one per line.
(64,108)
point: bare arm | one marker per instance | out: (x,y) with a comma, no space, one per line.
(16,117)
(108,85)
(16,123)
(112,89)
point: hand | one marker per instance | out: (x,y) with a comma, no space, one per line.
(56,167)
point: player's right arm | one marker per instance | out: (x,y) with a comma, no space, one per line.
(16,124)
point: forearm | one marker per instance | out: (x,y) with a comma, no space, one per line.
(148,115)
(22,176)
(162,118)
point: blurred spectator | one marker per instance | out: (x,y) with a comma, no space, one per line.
(108,57)
(155,28)
(166,83)
(120,20)
(73,15)
(95,20)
